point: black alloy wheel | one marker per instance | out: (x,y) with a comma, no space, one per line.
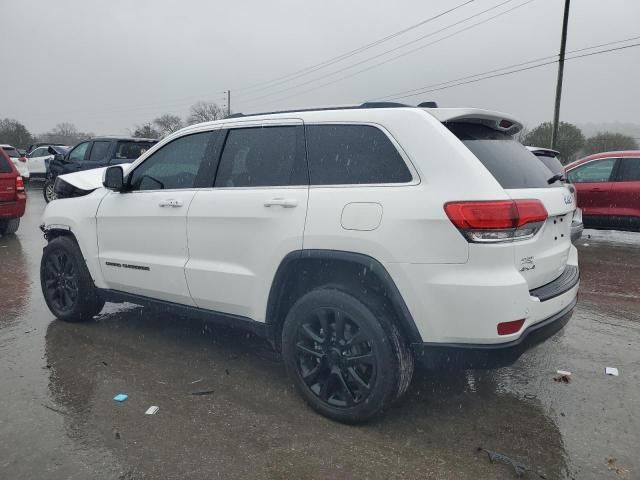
(61,281)
(335,357)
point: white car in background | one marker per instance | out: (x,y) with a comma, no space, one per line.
(18,160)
(37,160)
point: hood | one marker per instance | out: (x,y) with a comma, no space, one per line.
(89,179)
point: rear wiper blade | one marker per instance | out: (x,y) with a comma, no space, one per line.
(555,178)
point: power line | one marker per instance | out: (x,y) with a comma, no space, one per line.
(357,72)
(339,58)
(428,89)
(540,59)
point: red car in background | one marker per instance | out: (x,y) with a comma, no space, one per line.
(12,195)
(608,187)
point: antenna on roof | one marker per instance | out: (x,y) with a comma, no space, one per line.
(428,105)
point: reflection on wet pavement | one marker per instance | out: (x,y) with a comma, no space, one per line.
(58,419)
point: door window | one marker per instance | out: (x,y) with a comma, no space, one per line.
(353,154)
(39,152)
(629,170)
(176,165)
(596,171)
(77,154)
(99,151)
(263,156)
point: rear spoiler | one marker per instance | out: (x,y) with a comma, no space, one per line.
(495,120)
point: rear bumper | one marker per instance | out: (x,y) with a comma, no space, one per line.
(442,356)
(13,209)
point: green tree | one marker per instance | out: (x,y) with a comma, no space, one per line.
(609,142)
(146,130)
(15,133)
(570,139)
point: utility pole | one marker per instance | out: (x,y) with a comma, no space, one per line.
(228,103)
(563,44)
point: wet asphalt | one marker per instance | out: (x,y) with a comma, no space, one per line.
(227,409)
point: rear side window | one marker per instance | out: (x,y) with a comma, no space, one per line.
(99,151)
(512,165)
(262,157)
(129,151)
(4,165)
(353,154)
(630,170)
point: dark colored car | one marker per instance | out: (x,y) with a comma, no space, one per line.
(95,153)
(608,186)
(13,198)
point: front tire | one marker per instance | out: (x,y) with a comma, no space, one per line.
(66,283)
(48,190)
(10,226)
(347,359)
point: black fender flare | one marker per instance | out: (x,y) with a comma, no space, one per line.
(287,266)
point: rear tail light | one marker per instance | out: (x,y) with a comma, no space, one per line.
(497,221)
(22,159)
(507,328)
(19,184)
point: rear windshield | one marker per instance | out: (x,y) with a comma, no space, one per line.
(551,162)
(132,150)
(512,165)
(12,152)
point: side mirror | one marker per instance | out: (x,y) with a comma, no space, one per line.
(113,178)
(51,151)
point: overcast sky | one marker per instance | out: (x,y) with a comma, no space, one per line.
(107,65)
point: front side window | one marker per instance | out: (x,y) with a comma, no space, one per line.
(39,152)
(261,157)
(353,154)
(596,171)
(77,154)
(176,165)
(630,170)
(99,151)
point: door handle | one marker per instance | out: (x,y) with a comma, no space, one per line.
(170,203)
(281,202)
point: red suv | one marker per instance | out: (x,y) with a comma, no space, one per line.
(12,195)
(608,186)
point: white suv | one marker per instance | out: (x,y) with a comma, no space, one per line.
(356,240)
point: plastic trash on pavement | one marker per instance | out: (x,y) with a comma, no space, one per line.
(121,397)
(611,371)
(152,410)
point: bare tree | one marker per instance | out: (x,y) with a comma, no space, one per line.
(204,112)
(64,133)
(167,123)
(145,130)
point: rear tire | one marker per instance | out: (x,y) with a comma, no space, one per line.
(48,190)
(66,282)
(10,226)
(347,359)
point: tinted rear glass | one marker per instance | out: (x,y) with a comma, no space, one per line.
(353,154)
(630,170)
(12,152)
(512,165)
(552,163)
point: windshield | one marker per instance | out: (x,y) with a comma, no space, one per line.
(12,152)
